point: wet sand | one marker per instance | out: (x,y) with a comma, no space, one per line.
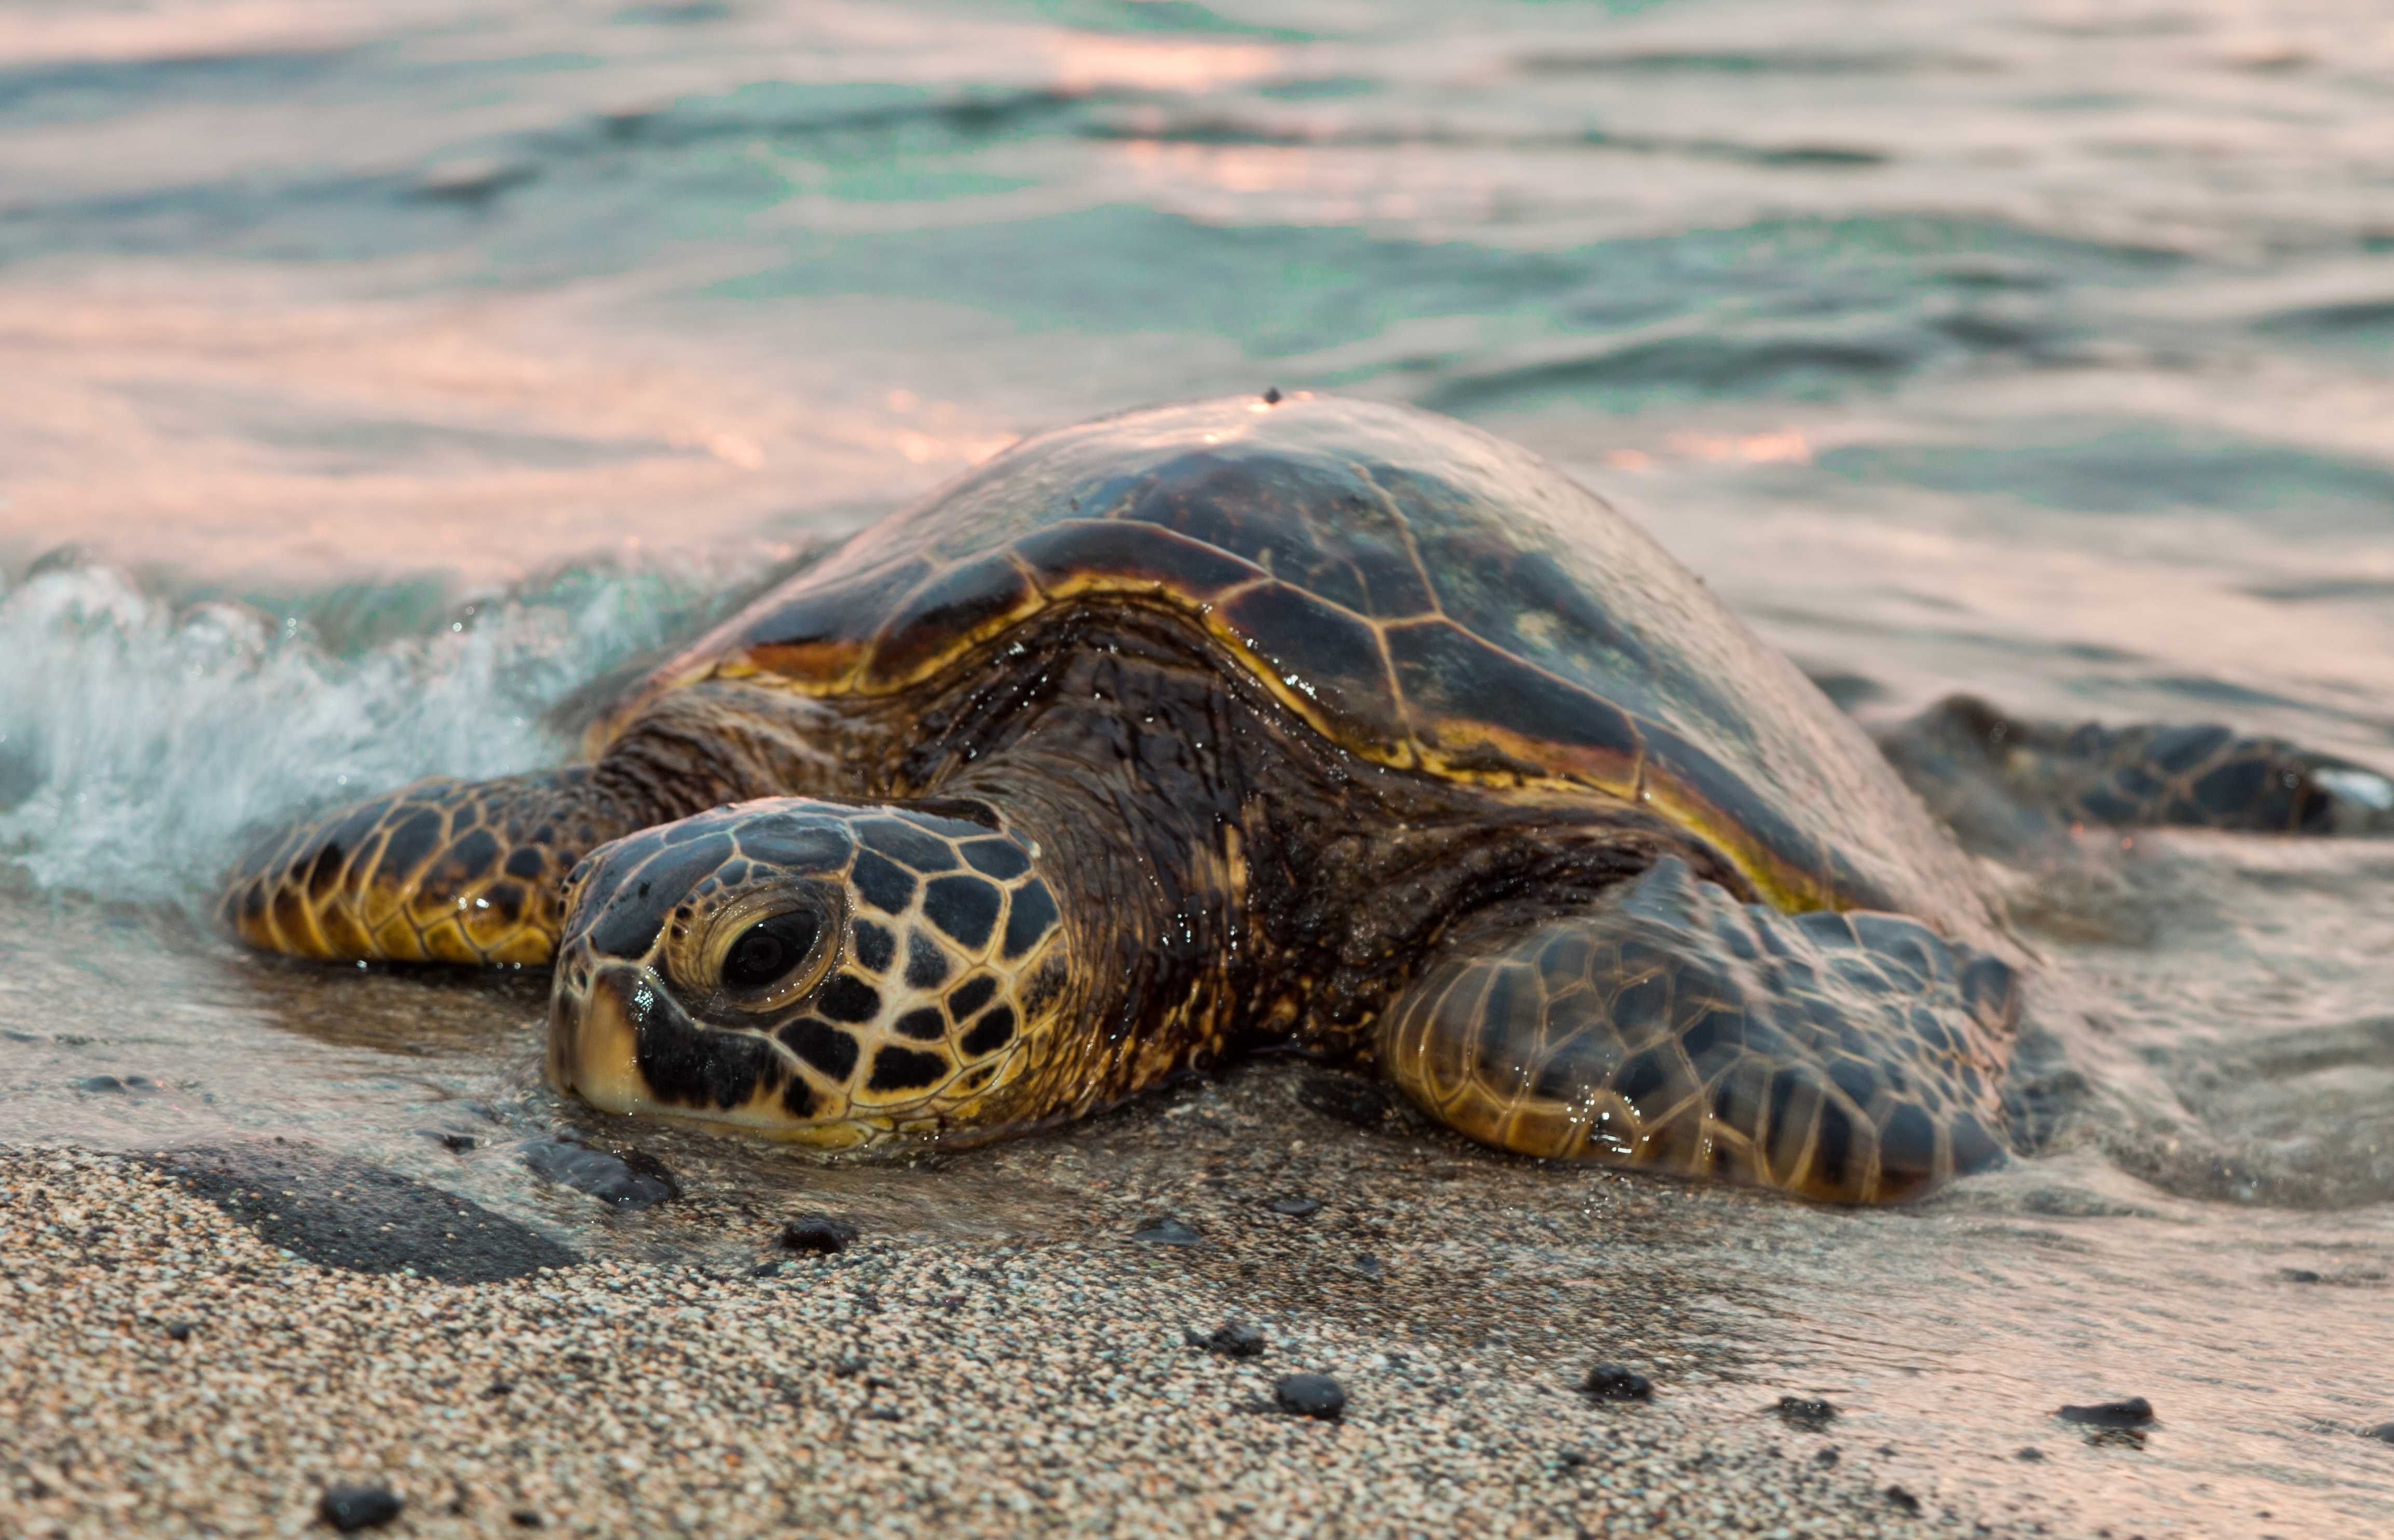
(171,1368)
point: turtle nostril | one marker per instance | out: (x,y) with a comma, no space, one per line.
(769,950)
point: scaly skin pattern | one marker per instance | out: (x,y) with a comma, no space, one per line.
(474,872)
(923,1008)
(444,871)
(1846,1057)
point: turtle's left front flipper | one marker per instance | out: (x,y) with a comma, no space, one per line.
(2003,782)
(1848,1058)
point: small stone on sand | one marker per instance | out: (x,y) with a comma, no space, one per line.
(350,1509)
(2135,1411)
(1611,1382)
(819,1233)
(1231,1339)
(1316,1395)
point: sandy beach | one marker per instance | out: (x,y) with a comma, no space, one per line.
(175,1363)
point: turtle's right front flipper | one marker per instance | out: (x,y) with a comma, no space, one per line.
(474,871)
(2002,783)
(444,871)
(1848,1057)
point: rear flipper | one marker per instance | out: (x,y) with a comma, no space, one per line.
(1848,1057)
(2004,782)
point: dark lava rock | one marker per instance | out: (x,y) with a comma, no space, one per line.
(1905,1501)
(1271,395)
(1231,1339)
(1166,1231)
(350,1509)
(766,1269)
(181,1331)
(101,1083)
(342,1213)
(1827,1456)
(1349,1098)
(627,1179)
(2135,1411)
(1806,1413)
(2297,1275)
(1296,1208)
(1316,1395)
(1611,1382)
(819,1232)
(524,1518)
(2383,1432)
(2031,1452)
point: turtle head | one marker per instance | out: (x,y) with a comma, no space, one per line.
(835,975)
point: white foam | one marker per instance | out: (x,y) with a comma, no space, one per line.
(144,739)
(2362,787)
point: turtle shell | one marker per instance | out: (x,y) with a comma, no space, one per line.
(1423,595)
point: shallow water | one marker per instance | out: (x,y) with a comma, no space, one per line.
(379,376)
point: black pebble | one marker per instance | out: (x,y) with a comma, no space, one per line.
(1231,1339)
(1166,1231)
(819,1232)
(2383,1432)
(459,1142)
(766,1269)
(1371,1266)
(350,1509)
(2031,1452)
(1611,1382)
(2135,1411)
(1902,1499)
(1806,1413)
(1296,1208)
(627,1179)
(99,1083)
(2297,1275)
(1310,1395)
(499,1388)
(524,1518)
(1827,1456)
(180,1330)
(1271,396)
(1349,1098)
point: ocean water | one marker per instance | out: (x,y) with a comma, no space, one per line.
(373,378)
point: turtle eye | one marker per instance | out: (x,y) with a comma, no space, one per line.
(770,951)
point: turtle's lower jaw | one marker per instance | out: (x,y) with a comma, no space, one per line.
(620,1041)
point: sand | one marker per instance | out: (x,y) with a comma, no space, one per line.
(206,1342)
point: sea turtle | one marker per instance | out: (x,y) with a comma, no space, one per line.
(1253,721)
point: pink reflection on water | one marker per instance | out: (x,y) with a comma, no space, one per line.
(215,422)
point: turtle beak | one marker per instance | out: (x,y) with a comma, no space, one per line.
(594,1021)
